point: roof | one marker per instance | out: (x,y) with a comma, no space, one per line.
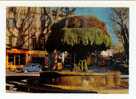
(20,51)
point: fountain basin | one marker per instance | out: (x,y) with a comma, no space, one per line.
(81,79)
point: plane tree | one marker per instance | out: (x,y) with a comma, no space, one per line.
(120,19)
(29,27)
(79,36)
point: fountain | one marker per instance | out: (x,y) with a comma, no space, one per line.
(81,80)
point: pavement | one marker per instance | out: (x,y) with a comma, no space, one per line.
(8,74)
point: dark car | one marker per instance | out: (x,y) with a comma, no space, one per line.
(32,67)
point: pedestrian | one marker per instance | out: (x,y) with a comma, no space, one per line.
(54,59)
(46,62)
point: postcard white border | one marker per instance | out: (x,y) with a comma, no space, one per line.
(121,3)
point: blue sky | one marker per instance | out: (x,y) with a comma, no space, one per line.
(103,14)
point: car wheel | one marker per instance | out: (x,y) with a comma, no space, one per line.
(40,70)
(25,71)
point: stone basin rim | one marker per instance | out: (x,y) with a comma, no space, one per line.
(64,73)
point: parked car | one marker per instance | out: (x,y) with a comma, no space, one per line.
(32,67)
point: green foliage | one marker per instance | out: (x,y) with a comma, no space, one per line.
(87,36)
(107,40)
(99,39)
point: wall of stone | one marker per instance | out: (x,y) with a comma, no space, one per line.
(88,80)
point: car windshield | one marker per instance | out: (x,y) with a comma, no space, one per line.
(31,64)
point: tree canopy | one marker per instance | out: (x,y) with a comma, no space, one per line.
(76,31)
(86,36)
(29,27)
(120,18)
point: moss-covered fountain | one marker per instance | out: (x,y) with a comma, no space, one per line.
(79,36)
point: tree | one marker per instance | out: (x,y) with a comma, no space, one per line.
(79,36)
(118,47)
(49,16)
(120,18)
(19,21)
(28,24)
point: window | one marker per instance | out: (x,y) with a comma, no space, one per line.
(39,60)
(20,59)
(17,59)
(11,59)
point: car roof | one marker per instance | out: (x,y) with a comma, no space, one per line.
(32,64)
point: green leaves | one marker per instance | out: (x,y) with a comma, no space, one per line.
(87,36)
(107,41)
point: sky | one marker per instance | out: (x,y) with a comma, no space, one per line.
(103,14)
